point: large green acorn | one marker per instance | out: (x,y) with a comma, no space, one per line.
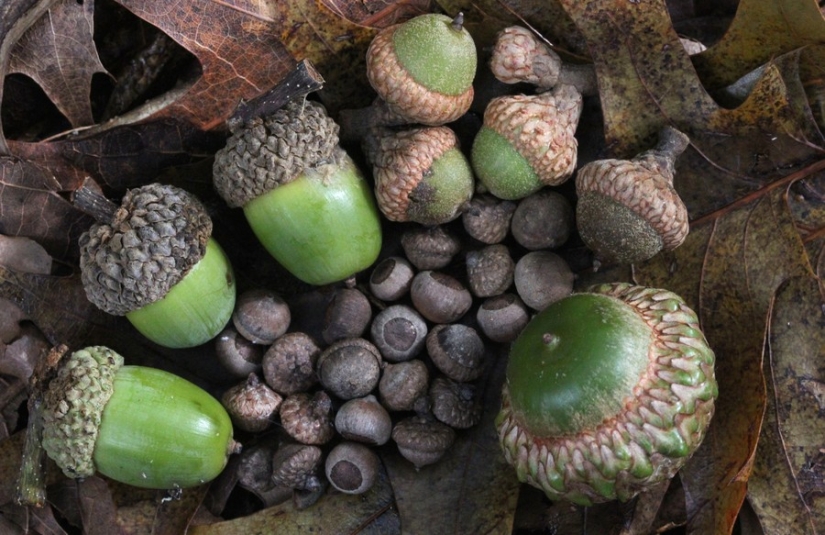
(141,426)
(156,263)
(303,196)
(607,393)
(424,68)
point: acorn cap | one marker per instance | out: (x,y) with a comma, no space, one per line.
(273,150)
(540,128)
(628,210)
(156,236)
(399,88)
(73,405)
(519,56)
(598,410)
(403,162)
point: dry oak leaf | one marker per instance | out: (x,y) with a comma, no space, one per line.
(239,49)
(58,52)
(728,270)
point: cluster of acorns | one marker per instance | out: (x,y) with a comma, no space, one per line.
(411,378)
(407,371)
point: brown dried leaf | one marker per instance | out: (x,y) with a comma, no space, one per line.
(789,473)
(761,30)
(646,80)
(237,43)
(728,270)
(371,513)
(59,53)
(471,489)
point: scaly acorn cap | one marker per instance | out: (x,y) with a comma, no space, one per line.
(528,141)
(420,174)
(156,236)
(273,150)
(628,210)
(424,68)
(518,56)
(591,423)
(73,405)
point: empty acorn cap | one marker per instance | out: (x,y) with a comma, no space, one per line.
(518,56)
(628,210)
(157,235)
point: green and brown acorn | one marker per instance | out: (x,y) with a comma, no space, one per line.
(424,68)
(155,262)
(303,196)
(140,426)
(607,393)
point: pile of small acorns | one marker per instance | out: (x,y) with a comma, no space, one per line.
(397,354)
(394,358)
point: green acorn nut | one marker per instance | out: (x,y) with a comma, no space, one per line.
(156,263)
(140,426)
(607,392)
(424,68)
(302,195)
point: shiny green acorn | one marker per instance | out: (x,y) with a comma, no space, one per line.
(607,393)
(140,426)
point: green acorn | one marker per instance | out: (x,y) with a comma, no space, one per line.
(303,196)
(156,263)
(527,142)
(420,174)
(607,393)
(140,426)
(424,68)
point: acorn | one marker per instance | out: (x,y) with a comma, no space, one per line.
(140,426)
(628,210)
(420,174)
(527,142)
(303,196)
(424,68)
(156,263)
(607,393)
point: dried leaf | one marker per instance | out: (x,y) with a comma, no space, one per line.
(761,30)
(237,43)
(371,513)
(789,473)
(646,80)
(59,53)
(728,270)
(471,489)
(23,254)
(57,305)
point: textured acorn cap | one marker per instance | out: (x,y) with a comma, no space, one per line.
(273,150)
(519,56)
(540,128)
(73,405)
(405,95)
(402,164)
(662,419)
(156,236)
(628,210)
